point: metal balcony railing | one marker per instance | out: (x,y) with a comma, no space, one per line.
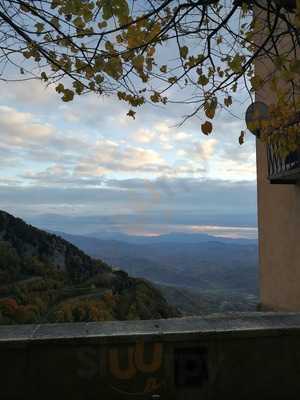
(283,170)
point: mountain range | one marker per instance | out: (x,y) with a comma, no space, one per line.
(197,273)
(114,226)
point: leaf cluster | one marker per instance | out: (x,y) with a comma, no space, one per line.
(120,48)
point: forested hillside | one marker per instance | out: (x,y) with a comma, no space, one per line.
(44,278)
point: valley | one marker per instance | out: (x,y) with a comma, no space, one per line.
(199,274)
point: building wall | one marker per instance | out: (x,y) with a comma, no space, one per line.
(279,227)
(279,240)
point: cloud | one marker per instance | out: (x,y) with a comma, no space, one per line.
(83,157)
(112,156)
(202,151)
(19,129)
(105,157)
(7,157)
(88,157)
(26,139)
(198,155)
(141,204)
(235,168)
(60,176)
(160,134)
(187,194)
(29,94)
(143,136)
(179,136)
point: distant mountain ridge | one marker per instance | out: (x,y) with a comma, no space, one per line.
(173,237)
(113,226)
(43,278)
(207,269)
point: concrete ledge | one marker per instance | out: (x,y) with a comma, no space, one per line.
(236,356)
(256,323)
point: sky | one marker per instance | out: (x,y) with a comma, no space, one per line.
(87,159)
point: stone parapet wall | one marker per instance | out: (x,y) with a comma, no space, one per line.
(238,356)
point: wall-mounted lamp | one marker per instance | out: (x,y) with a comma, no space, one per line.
(255,114)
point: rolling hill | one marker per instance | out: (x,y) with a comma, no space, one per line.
(44,278)
(214,273)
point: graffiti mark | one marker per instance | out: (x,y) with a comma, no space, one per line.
(114,364)
(136,361)
(152,385)
(154,365)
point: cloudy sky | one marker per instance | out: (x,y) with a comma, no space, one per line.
(87,158)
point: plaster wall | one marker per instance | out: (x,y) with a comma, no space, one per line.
(278,223)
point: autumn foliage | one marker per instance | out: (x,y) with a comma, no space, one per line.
(34,289)
(144,51)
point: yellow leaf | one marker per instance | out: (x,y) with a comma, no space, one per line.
(55,22)
(138,63)
(79,87)
(172,79)
(102,24)
(131,114)
(203,80)
(241,138)
(68,95)
(228,101)
(150,51)
(184,52)
(39,27)
(44,76)
(210,107)
(155,97)
(27,53)
(60,88)
(206,128)
(236,63)
(79,23)
(24,8)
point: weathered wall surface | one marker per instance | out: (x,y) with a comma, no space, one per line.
(279,232)
(278,222)
(246,356)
